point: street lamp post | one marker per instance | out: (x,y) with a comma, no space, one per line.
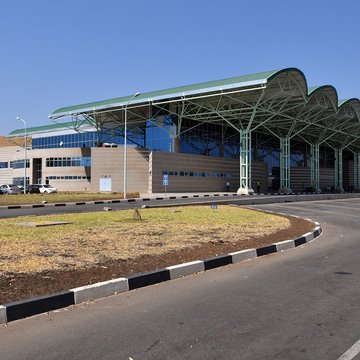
(125,141)
(25,151)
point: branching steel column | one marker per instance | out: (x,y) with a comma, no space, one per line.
(339,170)
(245,163)
(315,167)
(357,171)
(285,165)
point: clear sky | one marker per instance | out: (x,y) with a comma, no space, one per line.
(68,52)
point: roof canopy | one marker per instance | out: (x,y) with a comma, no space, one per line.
(277,102)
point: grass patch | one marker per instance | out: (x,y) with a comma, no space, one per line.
(93,238)
(23,199)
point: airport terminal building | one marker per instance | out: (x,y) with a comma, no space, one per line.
(267,131)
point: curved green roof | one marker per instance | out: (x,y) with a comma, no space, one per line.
(205,87)
(43,128)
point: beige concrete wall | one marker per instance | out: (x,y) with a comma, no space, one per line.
(109,162)
(7,154)
(300,178)
(64,184)
(161,161)
(17,153)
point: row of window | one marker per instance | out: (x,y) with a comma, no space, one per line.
(69,177)
(19,164)
(4,165)
(157,134)
(20,181)
(68,141)
(68,161)
(200,174)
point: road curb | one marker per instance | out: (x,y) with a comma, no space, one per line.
(115,201)
(250,199)
(37,305)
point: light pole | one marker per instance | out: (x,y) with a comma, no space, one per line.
(125,140)
(25,151)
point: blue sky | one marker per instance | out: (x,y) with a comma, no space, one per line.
(68,52)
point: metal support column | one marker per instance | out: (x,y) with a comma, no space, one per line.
(245,163)
(315,168)
(285,165)
(338,170)
(357,171)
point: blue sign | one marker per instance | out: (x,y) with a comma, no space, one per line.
(165,180)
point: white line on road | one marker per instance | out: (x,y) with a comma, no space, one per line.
(351,353)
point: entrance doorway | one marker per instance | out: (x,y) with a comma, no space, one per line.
(105,183)
(37,171)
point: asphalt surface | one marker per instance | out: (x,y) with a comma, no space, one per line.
(29,210)
(161,200)
(297,304)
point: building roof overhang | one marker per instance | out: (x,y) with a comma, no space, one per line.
(277,102)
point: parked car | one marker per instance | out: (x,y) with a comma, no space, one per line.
(9,189)
(41,189)
(32,189)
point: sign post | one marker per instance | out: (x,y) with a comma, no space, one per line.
(165,182)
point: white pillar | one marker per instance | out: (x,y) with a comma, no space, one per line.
(315,168)
(357,171)
(338,170)
(285,165)
(245,163)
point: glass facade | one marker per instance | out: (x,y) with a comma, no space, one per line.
(19,181)
(197,174)
(68,177)
(156,134)
(160,134)
(68,161)
(19,164)
(85,139)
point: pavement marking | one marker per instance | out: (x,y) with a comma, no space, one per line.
(351,353)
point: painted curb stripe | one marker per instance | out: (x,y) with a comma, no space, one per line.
(266,250)
(217,261)
(21,309)
(300,241)
(148,278)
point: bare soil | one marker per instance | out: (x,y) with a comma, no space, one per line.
(20,286)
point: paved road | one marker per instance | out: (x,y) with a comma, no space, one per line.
(298,304)
(69,208)
(48,209)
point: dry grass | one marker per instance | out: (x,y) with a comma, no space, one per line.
(93,238)
(60,197)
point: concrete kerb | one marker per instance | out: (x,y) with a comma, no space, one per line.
(117,201)
(3,318)
(22,309)
(186,269)
(99,290)
(243,255)
(284,245)
(246,200)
